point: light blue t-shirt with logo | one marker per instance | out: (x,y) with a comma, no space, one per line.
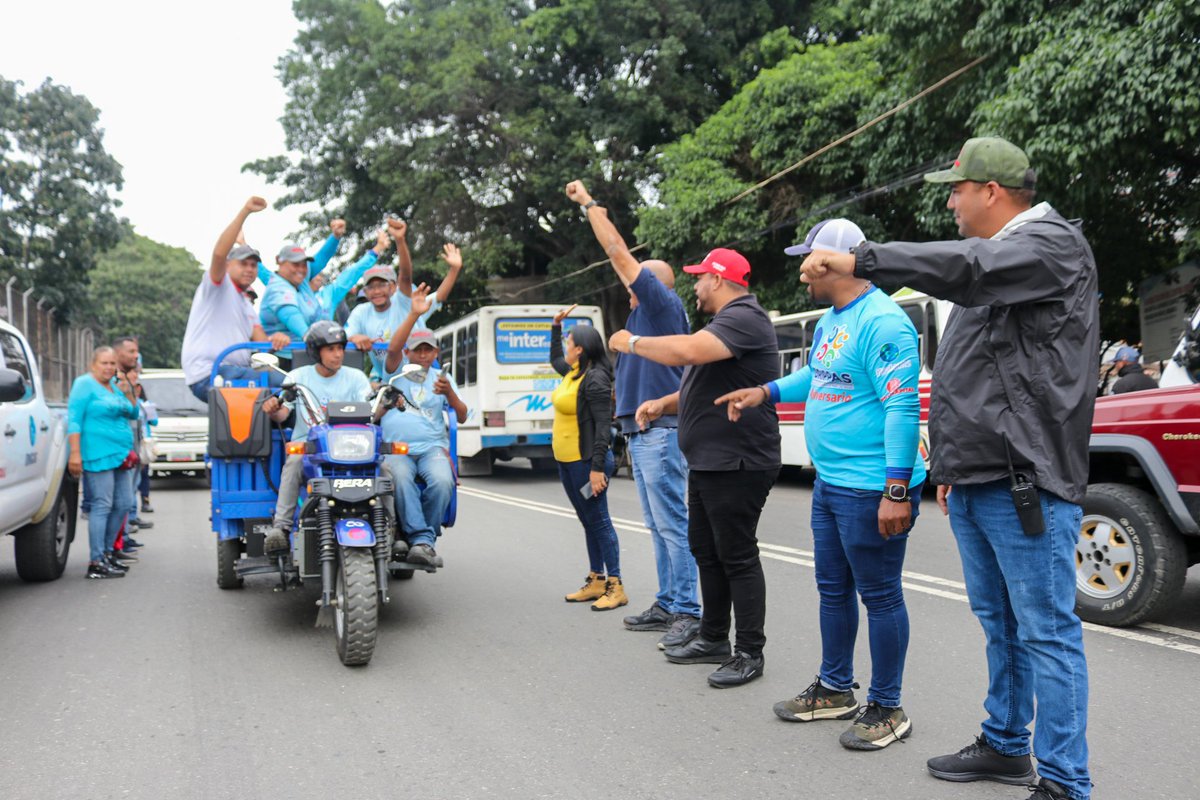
(862,411)
(345,385)
(422,424)
(364,320)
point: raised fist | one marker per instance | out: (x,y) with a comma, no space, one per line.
(255,204)
(578,192)
(398,228)
(338,227)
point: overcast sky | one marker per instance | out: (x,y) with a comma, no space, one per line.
(187,94)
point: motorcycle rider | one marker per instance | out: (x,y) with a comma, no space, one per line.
(325,342)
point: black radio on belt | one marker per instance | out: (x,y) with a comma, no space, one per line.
(1025,499)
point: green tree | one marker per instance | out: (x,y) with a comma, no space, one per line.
(57,214)
(144,288)
(468,118)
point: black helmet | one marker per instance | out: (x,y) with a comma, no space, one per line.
(321,333)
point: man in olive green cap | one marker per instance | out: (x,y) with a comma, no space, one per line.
(1009,421)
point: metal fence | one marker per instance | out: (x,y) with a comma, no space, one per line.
(63,352)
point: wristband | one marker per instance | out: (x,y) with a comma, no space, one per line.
(766,393)
(588,205)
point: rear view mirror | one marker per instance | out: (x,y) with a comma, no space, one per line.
(12,386)
(264,361)
(414,372)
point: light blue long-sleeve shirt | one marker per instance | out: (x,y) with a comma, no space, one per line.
(863,410)
(292,309)
(101,417)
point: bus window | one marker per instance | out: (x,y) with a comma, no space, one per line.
(931,334)
(446,348)
(467,354)
(810,333)
(791,348)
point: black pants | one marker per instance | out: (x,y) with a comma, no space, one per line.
(723,512)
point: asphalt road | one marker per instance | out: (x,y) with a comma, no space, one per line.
(485,684)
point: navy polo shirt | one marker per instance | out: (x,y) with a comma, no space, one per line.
(659,313)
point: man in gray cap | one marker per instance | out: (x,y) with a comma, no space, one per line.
(221,312)
(1009,423)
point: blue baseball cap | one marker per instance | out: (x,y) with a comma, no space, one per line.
(839,235)
(1127,354)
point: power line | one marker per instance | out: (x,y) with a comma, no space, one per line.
(847,137)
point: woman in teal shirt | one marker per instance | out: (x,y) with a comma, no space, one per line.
(98,416)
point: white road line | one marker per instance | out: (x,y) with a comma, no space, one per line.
(792,555)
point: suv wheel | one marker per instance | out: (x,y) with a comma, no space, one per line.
(1130,561)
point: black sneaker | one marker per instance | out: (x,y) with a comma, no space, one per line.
(422,554)
(1047,789)
(683,630)
(654,618)
(817,703)
(739,669)
(141,524)
(699,651)
(98,572)
(129,542)
(124,556)
(876,727)
(979,761)
(114,565)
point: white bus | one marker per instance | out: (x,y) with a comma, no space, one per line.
(795,333)
(500,358)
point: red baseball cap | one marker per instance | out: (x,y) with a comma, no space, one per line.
(729,264)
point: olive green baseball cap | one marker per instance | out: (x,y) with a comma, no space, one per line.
(988,158)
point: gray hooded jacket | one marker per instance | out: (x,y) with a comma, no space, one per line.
(1019,354)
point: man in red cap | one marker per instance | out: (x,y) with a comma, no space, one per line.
(731,468)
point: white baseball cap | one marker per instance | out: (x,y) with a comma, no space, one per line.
(839,235)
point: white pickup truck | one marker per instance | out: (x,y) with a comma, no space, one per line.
(37,496)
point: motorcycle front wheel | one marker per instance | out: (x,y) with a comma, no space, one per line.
(356,612)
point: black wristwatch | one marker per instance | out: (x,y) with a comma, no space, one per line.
(588,205)
(897,493)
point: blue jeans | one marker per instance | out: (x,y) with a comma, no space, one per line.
(604,552)
(111,494)
(420,513)
(234,373)
(1022,589)
(852,559)
(660,472)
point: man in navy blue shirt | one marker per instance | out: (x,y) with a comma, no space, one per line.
(659,468)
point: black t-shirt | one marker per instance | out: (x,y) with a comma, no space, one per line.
(709,441)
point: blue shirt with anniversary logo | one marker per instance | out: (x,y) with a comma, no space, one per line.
(863,411)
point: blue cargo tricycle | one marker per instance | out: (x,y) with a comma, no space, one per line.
(345,522)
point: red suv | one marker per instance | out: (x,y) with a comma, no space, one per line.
(1141,518)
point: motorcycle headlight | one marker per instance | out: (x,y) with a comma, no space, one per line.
(352,445)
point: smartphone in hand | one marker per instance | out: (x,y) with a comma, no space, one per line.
(586,490)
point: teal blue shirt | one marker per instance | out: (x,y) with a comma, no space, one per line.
(101,418)
(862,410)
(291,309)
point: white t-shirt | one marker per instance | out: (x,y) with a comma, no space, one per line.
(220,316)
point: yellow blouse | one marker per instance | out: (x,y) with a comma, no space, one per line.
(565,439)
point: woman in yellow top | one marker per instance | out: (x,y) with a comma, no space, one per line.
(582,435)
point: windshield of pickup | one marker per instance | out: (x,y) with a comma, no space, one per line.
(172,397)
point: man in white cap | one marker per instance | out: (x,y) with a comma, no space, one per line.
(862,425)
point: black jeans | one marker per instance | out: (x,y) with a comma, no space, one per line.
(723,512)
